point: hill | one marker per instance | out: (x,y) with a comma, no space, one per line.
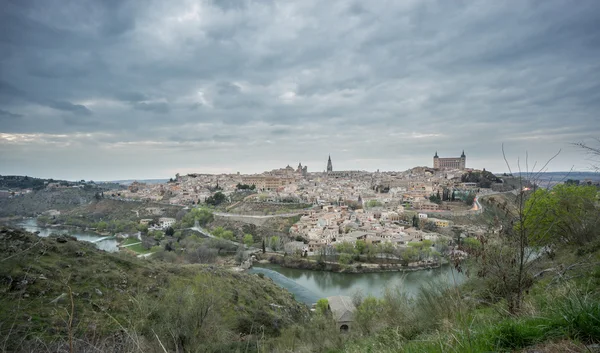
(58,291)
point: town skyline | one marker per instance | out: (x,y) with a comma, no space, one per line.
(335,167)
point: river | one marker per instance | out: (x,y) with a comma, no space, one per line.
(31,225)
(309,286)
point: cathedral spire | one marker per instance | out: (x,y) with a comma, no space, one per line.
(329,165)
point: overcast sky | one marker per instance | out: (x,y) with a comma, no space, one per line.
(145,89)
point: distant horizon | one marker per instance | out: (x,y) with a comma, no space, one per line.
(173,176)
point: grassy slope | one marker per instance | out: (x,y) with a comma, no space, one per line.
(34,272)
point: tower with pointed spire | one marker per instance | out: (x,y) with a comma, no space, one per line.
(329,165)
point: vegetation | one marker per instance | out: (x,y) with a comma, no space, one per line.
(566,214)
(245,187)
(373,203)
(216,199)
(116,302)
(484,179)
(201,215)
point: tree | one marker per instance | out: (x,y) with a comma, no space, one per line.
(191,313)
(220,244)
(202,215)
(360,246)
(367,314)
(345,247)
(470,198)
(388,249)
(101,226)
(435,198)
(409,254)
(415,221)
(566,214)
(264,250)
(275,243)
(371,251)
(221,232)
(216,199)
(345,259)
(322,306)
(248,239)
(373,203)
(505,258)
(169,231)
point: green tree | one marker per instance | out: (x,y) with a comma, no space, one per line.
(322,306)
(345,259)
(373,203)
(568,213)
(101,226)
(216,199)
(409,254)
(169,231)
(248,239)
(368,314)
(275,243)
(371,252)
(345,248)
(360,246)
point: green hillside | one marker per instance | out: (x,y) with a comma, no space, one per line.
(55,290)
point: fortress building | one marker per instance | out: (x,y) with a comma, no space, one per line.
(450,163)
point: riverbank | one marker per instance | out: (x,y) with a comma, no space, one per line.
(329,266)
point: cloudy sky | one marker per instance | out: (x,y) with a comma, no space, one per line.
(145,89)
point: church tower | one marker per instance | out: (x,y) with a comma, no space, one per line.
(436,161)
(463,160)
(329,165)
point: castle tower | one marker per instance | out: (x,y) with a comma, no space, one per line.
(436,161)
(329,165)
(463,160)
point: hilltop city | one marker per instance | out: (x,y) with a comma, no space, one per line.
(337,206)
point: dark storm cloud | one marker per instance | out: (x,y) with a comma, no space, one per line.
(7,114)
(386,83)
(69,107)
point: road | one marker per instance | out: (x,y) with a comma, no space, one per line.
(222,214)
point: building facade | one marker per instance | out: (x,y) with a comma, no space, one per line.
(450,163)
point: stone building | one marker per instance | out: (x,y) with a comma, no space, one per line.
(342,310)
(450,163)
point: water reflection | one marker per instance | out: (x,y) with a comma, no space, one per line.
(325,284)
(31,225)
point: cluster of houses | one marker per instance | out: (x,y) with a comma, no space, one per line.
(331,225)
